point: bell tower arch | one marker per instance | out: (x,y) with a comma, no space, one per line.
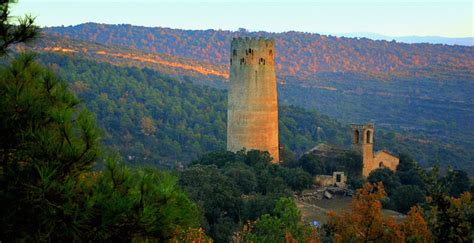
(363,143)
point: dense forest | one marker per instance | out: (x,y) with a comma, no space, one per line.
(151,118)
(154,119)
(432,112)
(297,53)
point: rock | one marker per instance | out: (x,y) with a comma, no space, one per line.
(328,195)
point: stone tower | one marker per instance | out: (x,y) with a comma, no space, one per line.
(252,115)
(363,142)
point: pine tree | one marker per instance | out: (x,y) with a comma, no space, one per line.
(48,146)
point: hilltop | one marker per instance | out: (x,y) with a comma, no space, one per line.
(297,54)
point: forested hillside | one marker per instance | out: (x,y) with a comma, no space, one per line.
(297,54)
(156,119)
(433,107)
(435,110)
(151,118)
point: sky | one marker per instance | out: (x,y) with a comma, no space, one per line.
(448,18)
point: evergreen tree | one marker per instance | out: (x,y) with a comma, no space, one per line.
(48,146)
(12,33)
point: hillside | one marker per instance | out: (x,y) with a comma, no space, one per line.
(434,104)
(149,117)
(348,78)
(178,67)
(297,54)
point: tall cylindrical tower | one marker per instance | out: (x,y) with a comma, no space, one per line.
(252,115)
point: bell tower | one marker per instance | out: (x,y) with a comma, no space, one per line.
(363,143)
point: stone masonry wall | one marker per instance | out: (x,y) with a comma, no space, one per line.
(252,116)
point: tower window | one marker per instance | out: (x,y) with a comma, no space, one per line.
(381,164)
(368,136)
(234,52)
(356,136)
(270,52)
(231,61)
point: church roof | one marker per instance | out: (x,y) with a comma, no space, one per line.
(387,152)
(324,148)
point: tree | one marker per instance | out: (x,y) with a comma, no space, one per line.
(46,141)
(282,225)
(309,163)
(13,33)
(217,196)
(352,163)
(407,196)
(48,191)
(243,177)
(450,218)
(147,126)
(457,182)
(126,204)
(387,177)
(409,172)
(365,222)
(48,146)
(297,179)
(415,226)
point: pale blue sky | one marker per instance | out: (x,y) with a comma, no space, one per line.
(388,17)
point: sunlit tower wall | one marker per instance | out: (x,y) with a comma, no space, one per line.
(252,115)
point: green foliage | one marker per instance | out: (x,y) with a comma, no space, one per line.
(186,120)
(351,162)
(457,182)
(450,218)
(407,196)
(409,172)
(24,30)
(216,195)
(243,177)
(283,222)
(309,163)
(232,188)
(387,177)
(123,203)
(49,144)
(46,141)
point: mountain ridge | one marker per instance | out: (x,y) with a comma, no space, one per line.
(297,53)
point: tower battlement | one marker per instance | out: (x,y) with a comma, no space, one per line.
(258,42)
(251,50)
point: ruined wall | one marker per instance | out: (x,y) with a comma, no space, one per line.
(323,180)
(337,179)
(252,115)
